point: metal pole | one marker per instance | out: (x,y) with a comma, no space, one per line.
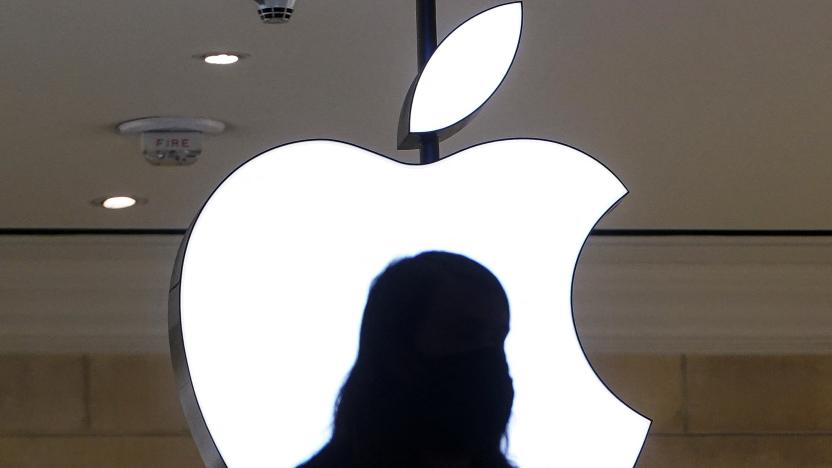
(426,46)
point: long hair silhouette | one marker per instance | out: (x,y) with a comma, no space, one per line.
(430,386)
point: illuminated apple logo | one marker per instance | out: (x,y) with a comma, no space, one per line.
(272,278)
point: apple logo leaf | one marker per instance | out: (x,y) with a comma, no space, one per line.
(466,69)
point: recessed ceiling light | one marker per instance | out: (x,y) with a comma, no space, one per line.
(118,203)
(221,59)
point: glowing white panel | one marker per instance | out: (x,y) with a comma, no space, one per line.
(466,68)
(280,260)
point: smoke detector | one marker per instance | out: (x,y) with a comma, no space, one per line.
(171,141)
(275,11)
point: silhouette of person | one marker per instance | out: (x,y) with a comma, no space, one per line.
(430,386)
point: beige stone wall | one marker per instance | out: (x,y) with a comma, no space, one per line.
(728,411)
(91,411)
(708,411)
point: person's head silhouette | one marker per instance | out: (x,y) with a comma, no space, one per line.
(430,386)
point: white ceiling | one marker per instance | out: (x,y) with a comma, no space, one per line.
(714,113)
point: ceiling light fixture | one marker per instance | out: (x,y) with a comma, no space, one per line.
(222,58)
(118,203)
